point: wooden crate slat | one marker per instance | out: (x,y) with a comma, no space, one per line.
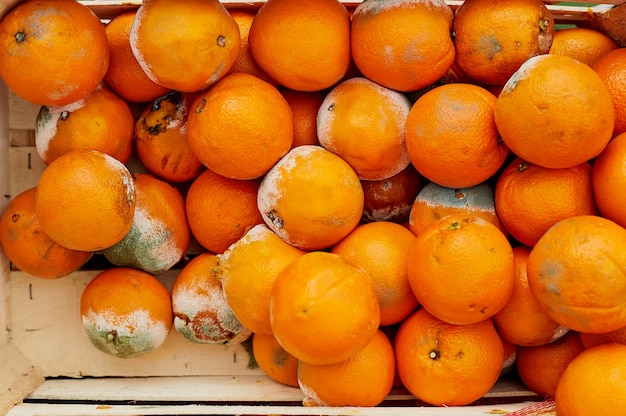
(18,377)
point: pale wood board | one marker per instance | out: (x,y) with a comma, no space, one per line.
(18,377)
(5,189)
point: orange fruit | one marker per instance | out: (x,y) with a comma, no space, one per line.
(124,74)
(188,53)
(28,247)
(240,127)
(391,199)
(126,312)
(523,321)
(245,61)
(447,365)
(161,138)
(402,45)
(608,178)
(364,380)
(539,126)
(581,43)
(303,45)
(160,235)
(311,198)
(323,310)
(248,270)
(364,123)
(577,272)
(540,367)
(493,38)
(434,202)
(610,68)
(54,52)
(201,312)
(530,198)
(593,382)
(218,221)
(461,269)
(277,363)
(381,249)
(101,121)
(86,200)
(451,135)
(591,340)
(304,107)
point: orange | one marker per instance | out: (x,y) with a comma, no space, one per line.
(302,45)
(201,312)
(248,270)
(577,272)
(402,45)
(125,75)
(245,61)
(311,198)
(364,123)
(190,52)
(381,249)
(610,68)
(28,247)
(581,43)
(53,52)
(86,200)
(160,235)
(593,383)
(523,321)
(434,202)
(540,367)
(591,340)
(461,269)
(530,199)
(364,380)
(608,178)
(323,310)
(493,38)
(447,365)
(218,221)
(391,199)
(451,135)
(240,127)
(161,138)
(126,312)
(304,107)
(538,125)
(277,363)
(101,121)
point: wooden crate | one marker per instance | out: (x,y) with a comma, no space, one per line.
(48,366)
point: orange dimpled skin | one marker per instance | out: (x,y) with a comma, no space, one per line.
(608,178)
(277,363)
(610,68)
(581,43)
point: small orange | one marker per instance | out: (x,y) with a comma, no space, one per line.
(188,53)
(608,178)
(53,52)
(461,269)
(304,107)
(101,121)
(28,247)
(302,45)
(311,198)
(201,312)
(581,43)
(364,380)
(539,126)
(323,310)
(218,221)
(451,135)
(86,200)
(530,198)
(447,365)
(610,68)
(126,312)
(577,272)
(365,124)
(245,61)
(402,45)
(593,383)
(240,127)
(591,340)
(277,363)
(540,367)
(381,249)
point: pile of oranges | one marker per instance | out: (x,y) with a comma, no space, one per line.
(397,193)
